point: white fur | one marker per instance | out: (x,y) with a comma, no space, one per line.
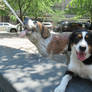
(76,66)
(63,84)
(30,23)
(39,42)
(82,70)
(82,43)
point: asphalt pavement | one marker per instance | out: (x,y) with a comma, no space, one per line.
(25,69)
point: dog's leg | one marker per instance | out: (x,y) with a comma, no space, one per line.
(64,83)
(51,55)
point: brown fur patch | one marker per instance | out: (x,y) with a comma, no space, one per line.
(58,44)
(43,30)
(40,26)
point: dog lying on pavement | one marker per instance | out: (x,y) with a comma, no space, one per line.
(80,45)
(48,43)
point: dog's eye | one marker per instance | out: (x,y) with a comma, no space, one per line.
(79,36)
(86,36)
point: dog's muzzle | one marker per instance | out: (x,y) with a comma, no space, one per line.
(82,48)
(28,29)
(81,54)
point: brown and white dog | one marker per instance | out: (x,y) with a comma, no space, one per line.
(48,43)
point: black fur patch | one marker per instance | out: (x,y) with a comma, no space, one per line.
(88,61)
(70,73)
(74,39)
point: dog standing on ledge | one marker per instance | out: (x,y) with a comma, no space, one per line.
(48,43)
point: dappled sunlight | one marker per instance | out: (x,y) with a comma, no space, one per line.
(30,72)
(4,58)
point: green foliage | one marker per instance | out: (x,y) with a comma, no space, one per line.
(80,8)
(32,8)
(2,12)
(41,7)
(2,9)
(57,16)
(12,17)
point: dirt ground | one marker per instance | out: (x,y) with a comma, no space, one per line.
(25,68)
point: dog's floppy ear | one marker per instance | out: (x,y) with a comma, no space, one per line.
(45,32)
(90,42)
(69,46)
(70,41)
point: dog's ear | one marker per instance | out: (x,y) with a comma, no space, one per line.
(45,32)
(39,25)
(90,33)
(70,41)
(69,46)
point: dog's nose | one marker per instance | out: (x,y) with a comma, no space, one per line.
(82,48)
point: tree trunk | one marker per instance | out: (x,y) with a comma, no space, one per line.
(91,18)
(90,21)
(21,15)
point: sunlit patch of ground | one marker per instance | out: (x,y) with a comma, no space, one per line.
(26,70)
(14,41)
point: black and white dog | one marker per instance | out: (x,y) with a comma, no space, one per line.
(80,45)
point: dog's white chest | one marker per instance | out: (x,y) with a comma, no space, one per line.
(84,71)
(40,43)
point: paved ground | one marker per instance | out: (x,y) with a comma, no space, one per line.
(28,71)
(23,66)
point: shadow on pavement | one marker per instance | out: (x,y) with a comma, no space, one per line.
(30,72)
(78,84)
(5,85)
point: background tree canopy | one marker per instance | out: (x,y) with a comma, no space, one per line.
(31,8)
(41,8)
(80,8)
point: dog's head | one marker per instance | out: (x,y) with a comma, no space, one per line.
(80,43)
(35,27)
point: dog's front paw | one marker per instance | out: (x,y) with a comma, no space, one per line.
(59,89)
